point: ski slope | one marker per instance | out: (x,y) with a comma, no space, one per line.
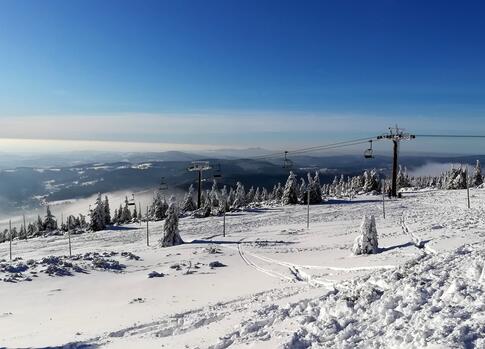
(280,285)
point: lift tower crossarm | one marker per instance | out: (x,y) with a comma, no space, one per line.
(199,166)
(396,135)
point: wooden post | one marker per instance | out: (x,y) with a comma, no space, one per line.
(224,223)
(384,198)
(69,236)
(467,187)
(10,237)
(148,237)
(308,208)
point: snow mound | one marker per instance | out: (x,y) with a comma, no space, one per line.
(432,301)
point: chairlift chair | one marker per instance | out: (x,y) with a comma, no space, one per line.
(369,153)
(132,201)
(287,163)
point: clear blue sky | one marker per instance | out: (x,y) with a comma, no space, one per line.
(420,63)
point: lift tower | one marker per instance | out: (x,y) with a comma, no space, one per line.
(199,166)
(396,135)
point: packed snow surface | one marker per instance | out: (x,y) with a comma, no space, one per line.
(269,283)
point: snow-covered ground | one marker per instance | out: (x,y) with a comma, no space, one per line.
(277,284)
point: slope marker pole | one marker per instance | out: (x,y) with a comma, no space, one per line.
(384,198)
(308,208)
(467,187)
(148,237)
(10,235)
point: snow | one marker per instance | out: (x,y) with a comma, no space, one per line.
(273,283)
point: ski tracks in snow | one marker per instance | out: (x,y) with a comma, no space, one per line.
(294,271)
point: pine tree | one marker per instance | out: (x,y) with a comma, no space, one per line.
(189,204)
(107,211)
(371,181)
(302,192)
(290,195)
(278,195)
(119,215)
(115,217)
(223,199)
(30,230)
(171,235)
(126,213)
(213,195)
(477,179)
(135,214)
(39,224)
(315,189)
(97,222)
(23,232)
(50,223)
(240,196)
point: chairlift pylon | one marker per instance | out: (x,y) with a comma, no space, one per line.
(369,153)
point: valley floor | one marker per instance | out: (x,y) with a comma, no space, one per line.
(278,284)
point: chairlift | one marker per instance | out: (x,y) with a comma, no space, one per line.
(287,163)
(369,153)
(132,201)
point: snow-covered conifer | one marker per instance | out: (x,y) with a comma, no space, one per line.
(189,204)
(290,194)
(366,242)
(477,179)
(240,196)
(171,236)
(107,211)
(97,215)
(50,223)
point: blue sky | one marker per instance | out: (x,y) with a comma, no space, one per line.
(337,69)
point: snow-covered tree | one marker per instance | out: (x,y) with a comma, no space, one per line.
(477,179)
(135,214)
(213,195)
(159,207)
(366,242)
(189,204)
(50,223)
(371,181)
(290,194)
(250,195)
(223,199)
(315,189)
(239,196)
(107,211)
(30,230)
(456,179)
(302,191)
(126,216)
(171,236)
(97,215)
(402,178)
